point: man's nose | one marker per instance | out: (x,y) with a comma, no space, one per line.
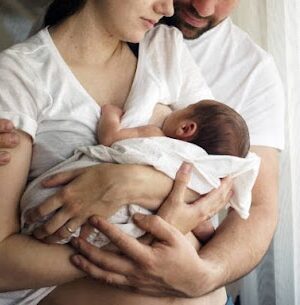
(205,8)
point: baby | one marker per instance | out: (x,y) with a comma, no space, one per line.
(213,126)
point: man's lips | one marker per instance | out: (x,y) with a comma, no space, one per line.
(192,20)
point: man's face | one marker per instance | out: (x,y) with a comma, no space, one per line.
(194,17)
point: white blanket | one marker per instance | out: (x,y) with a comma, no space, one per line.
(166,155)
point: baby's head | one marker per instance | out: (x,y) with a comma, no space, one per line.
(214,126)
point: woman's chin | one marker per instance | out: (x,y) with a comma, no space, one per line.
(135,38)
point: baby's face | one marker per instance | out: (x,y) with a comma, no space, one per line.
(175,119)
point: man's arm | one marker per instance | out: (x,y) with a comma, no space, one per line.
(239,245)
(236,248)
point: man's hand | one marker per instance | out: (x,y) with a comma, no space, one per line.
(170,266)
(8,139)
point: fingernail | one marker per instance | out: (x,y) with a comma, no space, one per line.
(8,126)
(14,139)
(138,217)
(185,167)
(4,156)
(76,259)
(94,220)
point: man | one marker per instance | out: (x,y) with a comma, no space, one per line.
(243,76)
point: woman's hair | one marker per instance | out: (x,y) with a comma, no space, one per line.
(59,10)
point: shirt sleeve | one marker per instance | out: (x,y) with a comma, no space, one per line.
(19,93)
(265,107)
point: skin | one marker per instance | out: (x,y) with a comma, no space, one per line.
(195,17)
(229,244)
(53,266)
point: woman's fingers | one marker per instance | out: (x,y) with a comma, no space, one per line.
(65,231)
(50,205)
(209,205)
(55,223)
(62,178)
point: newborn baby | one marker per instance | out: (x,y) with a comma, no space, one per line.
(211,125)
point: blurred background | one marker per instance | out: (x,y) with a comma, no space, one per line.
(275,26)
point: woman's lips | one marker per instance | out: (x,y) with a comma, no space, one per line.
(149,22)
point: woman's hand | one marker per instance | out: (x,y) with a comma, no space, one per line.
(8,139)
(100,189)
(170,266)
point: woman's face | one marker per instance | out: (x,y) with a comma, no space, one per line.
(129,20)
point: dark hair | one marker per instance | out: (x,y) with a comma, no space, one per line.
(221,130)
(59,10)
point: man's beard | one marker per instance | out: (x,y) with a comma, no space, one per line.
(188,31)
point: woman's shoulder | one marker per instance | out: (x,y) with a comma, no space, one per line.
(24,55)
(163,35)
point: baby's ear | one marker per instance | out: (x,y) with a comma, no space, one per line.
(186,130)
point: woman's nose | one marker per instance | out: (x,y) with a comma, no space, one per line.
(165,8)
(205,8)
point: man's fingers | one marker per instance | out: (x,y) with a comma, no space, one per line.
(210,204)
(107,260)
(9,140)
(62,178)
(181,180)
(126,244)
(156,226)
(6,125)
(95,272)
(4,157)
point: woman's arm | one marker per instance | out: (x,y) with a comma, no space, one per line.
(32,263)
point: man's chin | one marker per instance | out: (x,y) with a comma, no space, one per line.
(190,32)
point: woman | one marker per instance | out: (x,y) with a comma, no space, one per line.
(86,42)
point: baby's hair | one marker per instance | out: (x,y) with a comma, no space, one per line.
(221,130)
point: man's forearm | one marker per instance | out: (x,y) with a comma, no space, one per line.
(238,245)
(28,263)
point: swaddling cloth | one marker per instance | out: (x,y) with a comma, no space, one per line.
(166,155)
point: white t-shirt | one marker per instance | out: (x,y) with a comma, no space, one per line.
(244,77)
(41,95)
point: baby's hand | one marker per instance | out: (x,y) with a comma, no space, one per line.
(111,110)
(109,124)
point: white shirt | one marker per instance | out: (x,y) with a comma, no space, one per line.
(243,76)
(42,97)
